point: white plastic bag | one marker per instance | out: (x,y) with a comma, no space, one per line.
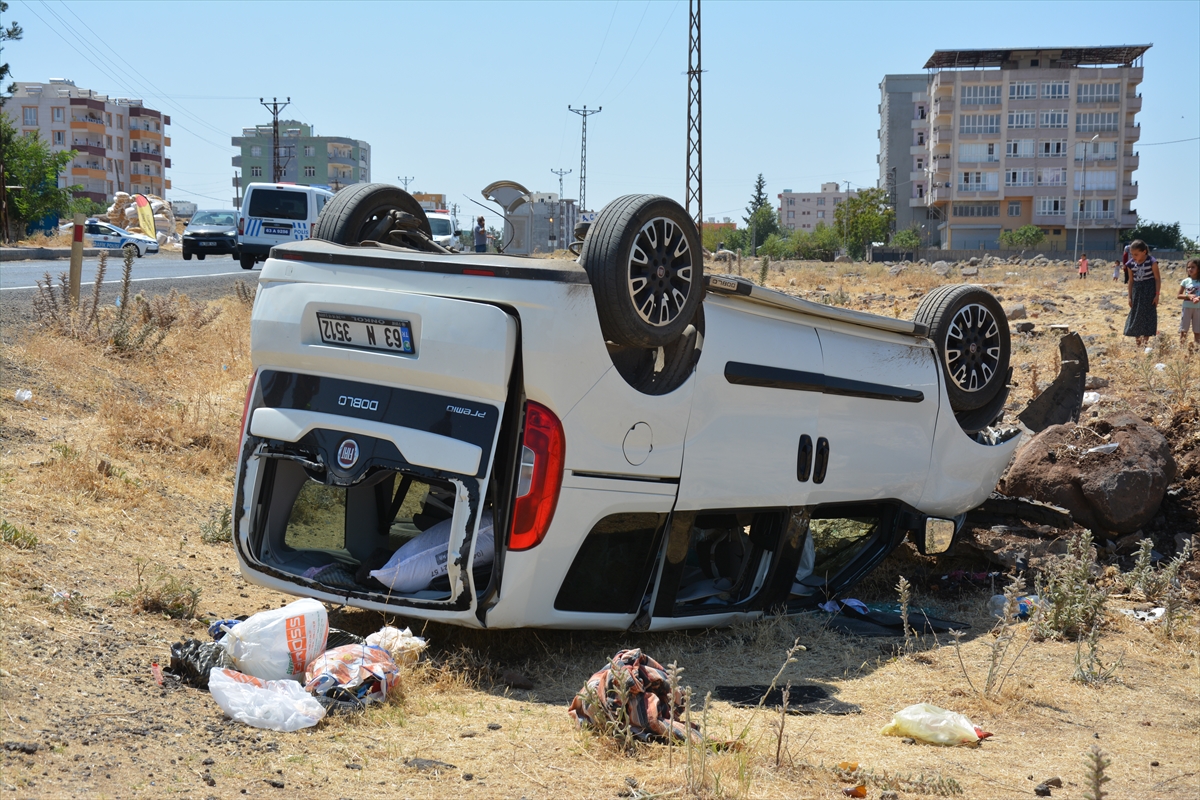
(403,647)
(274,705)
(934,725)
(423,558)
(278,644)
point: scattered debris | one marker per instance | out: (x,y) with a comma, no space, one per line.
(427,764)
(515,680)
(1061,401)
(802,699)
(402,646)
(280,643)
(23,395)
(928,723)
(1152,615)
(366,672)
(278,705)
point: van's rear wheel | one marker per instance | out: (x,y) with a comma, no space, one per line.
(970,330)
(643,259)
(359,213)
(247,262)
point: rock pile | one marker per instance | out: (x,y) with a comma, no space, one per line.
(123,212)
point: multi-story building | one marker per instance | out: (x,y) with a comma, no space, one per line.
(1006,138)
(802,211)
(121,145)
(903,156)
(329,162)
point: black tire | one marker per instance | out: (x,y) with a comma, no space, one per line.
(247,262)
(647,302)
(352,212)
(187,256)
(132,248)
(968,326)
(200,256)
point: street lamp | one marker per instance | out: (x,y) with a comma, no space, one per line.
(1082,187)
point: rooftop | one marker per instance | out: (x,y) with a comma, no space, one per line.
(1116,55)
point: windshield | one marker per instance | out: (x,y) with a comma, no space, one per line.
(214,218)
(278,204)
(441,227)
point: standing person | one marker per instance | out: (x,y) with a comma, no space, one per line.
(1083,267)
(1124,264)
(1145,283)
(1189,293)
(481,236)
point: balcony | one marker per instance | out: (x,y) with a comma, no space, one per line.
(237,161)
(918,149)
(1133,133)
(335,158)
(943,84)
(166,163)
(139,156)
(1049,219)
(166,141)
(918,202)
(90,149)
(153,136)
(1093,216)
(1129,191)
(87,172)
(1129,219)
(1132,160)
(943,134)
(91,126)
(1133,103)
(943,106)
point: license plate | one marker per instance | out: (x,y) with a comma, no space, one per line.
(371,333)
(208,244)
(276,230)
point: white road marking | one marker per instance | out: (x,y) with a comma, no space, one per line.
(136,280)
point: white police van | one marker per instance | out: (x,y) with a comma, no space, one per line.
(106,236)
(615,442)
(276,213)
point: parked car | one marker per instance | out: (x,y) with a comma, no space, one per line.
(211,233)
(614,442)
(109,237)
(275,213)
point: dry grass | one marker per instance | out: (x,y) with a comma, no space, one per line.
(118,461)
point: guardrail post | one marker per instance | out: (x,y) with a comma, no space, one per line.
(76,258)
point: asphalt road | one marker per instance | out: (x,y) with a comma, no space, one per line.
(157,274)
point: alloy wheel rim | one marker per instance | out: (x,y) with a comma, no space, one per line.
(972,348)
(660,272)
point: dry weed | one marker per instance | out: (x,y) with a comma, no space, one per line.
(157,592)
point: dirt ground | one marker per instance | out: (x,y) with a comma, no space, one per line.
(112,482)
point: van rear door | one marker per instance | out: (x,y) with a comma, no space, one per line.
(278,215)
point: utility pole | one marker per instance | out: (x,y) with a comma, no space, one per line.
(562,206)
(237,189)
(275,108)
(695,183)
(405,181)
(585,113)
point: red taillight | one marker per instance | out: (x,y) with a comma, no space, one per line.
(246,407)
(241,225)
(543,452)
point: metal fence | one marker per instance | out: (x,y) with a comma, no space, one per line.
(931,255)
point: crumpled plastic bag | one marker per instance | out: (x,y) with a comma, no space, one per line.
(275,705)
(280,643)
(928,723)
(403,647)
(367,672)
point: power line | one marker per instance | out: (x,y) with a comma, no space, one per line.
(1177,141)
(650,50)
(621,63)
(601,50)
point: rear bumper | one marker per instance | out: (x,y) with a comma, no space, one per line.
(253,249)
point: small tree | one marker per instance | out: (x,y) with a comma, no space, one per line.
(31,164)
(863,219)
(1023,237)
(907,239)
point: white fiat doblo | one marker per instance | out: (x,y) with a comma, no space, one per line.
(615,442)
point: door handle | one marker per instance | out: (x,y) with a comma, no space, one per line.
(804,458)
(822,460)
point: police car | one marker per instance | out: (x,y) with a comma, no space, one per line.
(618,441)
(109,237)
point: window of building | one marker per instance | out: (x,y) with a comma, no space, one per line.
(59,138)
(981,95)
(1019,148)
(1022,90)
(1019,177)
(120,145)
(979,182)
(975,152)
(979,123)
(309,150)
(108,118)
(791,201)
(1050,206)
(110,187)
(1055,119)
(837,200)
(108,142)
(58,114)
(820,201)
(1095,179)
(1097,209)
(1052,176)
(792,226)
(1052,148)
(311,172)
(1022,119)
(256,151)
(920,138)
(1099,93)
(821,215)
(1014,208)
(29,115)
(976,210)
(120,121)
(1056,90)
(1096,122)
(256,172)
(920,164)
(1096,151)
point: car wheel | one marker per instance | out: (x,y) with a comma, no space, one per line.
(131,249)
(643,259)
(187,256)
(247,262)
(969,329)
(355,214)
(200,256)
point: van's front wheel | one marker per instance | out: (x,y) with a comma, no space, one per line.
(247,262)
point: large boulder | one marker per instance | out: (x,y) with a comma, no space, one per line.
(1110,493)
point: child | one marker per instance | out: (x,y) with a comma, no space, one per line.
(1189,293)
(1145,283)
(1083,267)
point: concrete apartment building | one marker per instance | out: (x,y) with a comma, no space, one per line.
(121,144)
(329,162)
(998,139)
(801,211)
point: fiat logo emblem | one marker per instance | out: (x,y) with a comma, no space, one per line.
(347,454)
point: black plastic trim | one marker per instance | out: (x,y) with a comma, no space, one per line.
(821,463)
(612,476)
(804,458)
(743,374)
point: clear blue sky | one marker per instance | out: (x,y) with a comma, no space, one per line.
(461,94)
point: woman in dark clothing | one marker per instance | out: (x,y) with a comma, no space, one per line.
(1144,285)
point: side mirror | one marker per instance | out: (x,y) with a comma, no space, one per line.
(457,232)
(939,535)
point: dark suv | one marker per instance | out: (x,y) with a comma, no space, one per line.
(211,233)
